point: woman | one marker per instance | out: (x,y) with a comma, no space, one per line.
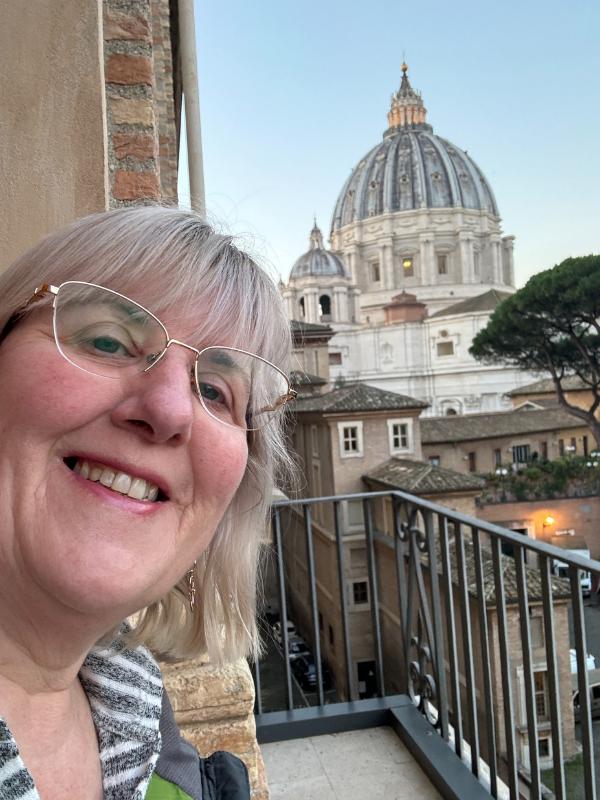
(140,428)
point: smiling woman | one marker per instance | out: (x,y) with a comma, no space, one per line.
(143,361)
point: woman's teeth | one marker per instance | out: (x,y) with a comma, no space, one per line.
(120,482)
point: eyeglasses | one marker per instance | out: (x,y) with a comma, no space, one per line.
(105,333)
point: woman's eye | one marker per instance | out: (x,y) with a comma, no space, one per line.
(211,393)
(106,344)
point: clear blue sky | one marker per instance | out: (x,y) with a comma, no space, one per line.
(293,94)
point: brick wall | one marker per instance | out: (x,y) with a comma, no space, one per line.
(166,96)
(141,129)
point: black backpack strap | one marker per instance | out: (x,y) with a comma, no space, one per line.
(224,777)
(221,776)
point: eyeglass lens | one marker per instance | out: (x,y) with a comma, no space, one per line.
(105,333)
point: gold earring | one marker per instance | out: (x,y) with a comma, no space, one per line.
(191,584)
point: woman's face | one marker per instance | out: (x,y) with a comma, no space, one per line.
(72,539)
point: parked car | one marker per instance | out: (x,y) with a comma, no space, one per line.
(305,671)
(278,630)
(298,648)
(590,661)
(594,702)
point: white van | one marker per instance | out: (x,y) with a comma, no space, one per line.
(561,570)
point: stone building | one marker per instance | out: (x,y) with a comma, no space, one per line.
(481,443)
(418,263)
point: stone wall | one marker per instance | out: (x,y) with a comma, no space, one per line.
(214,708)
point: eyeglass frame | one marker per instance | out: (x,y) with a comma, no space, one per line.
(46,289)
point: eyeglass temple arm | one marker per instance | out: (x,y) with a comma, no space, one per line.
(281,401)
(41,292)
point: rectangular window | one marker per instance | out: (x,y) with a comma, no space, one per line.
(408,267)
(314,441)
(472,462)
(585,445)
(541,695)
(521,454)
(476,263)
(536,628)
(360,593)
(442,264)
(544,747)
(573,448)
(351,439)
(434,461)
(445,348)
(354,511)
(335,359)
(399,435)
(544,450)
(375,272)
(561,447)
(497,457)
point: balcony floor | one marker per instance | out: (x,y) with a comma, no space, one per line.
(361,764)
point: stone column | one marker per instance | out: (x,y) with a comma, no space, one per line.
(354,312)
(496,259)
(508,244)
(467,262)
(291,308)
(311,300)
(426,259)
(387,265)
(214,708)
(340,304)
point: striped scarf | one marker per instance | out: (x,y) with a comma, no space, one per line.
(124,690)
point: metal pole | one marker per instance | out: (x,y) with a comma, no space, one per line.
(191,97)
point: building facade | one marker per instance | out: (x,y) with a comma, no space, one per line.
(418,263)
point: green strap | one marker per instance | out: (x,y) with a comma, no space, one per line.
(160,789)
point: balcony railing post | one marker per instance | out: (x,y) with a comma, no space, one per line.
(528,678)
(283,607)
(374,596)
(505,669)
(438,655)
(583,684)
(312,578)
(400,551)
(457,721)
(486,665)
(343,598)
(467,640)
(553,684)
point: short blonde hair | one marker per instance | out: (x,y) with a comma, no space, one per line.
(179,261)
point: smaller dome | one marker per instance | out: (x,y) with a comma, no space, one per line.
(317,261)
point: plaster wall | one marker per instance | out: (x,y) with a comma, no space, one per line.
(53,131)
(580,514)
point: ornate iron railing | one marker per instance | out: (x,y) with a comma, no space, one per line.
(476,631)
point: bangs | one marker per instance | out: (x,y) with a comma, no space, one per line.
(176,266)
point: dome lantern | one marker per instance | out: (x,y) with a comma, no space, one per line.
(406,109)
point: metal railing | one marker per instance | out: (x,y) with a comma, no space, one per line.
(453,630)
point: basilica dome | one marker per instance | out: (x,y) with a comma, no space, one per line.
(411,168)
(318,262)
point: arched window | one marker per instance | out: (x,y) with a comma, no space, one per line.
(325,307)
(302,309)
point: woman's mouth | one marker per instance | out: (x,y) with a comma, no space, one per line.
(121,482)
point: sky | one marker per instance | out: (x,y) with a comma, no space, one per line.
(294,94)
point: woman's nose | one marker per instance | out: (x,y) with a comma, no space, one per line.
(159,404)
